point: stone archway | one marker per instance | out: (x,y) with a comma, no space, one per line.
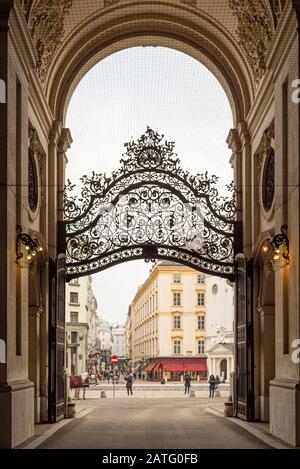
(256,68)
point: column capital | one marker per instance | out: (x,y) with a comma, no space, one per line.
(243,132)
(55,133)
(233,141)
(65,140)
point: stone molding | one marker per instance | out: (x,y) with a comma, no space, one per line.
(66,73)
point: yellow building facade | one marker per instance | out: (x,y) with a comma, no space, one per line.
(168,316)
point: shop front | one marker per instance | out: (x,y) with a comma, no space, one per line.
(173,369)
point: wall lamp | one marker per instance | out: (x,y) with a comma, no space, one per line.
(32,246)
(278,247)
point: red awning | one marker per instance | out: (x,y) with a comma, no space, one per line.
(176,367)
(150,367)
(195,366)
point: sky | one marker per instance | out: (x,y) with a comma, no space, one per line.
(115,101)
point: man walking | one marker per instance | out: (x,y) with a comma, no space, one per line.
(212,385)
(129,382)
(187,384)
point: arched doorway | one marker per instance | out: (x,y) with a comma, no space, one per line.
(223,369)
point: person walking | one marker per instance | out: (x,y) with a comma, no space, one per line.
(187,384)
(212,385)
(129,382)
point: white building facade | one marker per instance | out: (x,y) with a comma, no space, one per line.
(118,340)
(81,313)
(219,326)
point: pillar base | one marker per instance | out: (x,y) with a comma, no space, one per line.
(285,410)
(264,409)
(17,413)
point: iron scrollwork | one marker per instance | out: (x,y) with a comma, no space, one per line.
(150,208)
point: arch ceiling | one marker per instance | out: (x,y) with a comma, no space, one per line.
(225,35)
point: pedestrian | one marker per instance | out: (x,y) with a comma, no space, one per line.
(187,383)
(129,382)
(217,382)
(212,385)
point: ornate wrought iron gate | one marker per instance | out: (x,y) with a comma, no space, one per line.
(244,405)
(56,407)
(151,209)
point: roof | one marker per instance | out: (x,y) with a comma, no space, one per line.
(228,346)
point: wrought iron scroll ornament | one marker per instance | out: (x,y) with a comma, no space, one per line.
(278,249)
(32,246)
(148,209)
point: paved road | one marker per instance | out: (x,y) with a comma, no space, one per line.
(151,423)
(148,392)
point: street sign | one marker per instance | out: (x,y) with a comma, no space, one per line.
(114,359)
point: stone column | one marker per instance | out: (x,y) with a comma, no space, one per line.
(64,144)
(239,142)
(234,144)
(267,354)
(53,186)
(34,357)
(16,391)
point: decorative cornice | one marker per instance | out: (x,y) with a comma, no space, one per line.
(46,26)
(255,32)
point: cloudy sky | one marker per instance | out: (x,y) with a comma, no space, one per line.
(115,102)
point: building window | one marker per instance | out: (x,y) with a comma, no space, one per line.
(200,278)
(200,299)
(176,298)
(73,337)
(74,317)
(177,346)
(201,322)
(177,322)
(176,278)
(73,297)
(200,346)
(214,289)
